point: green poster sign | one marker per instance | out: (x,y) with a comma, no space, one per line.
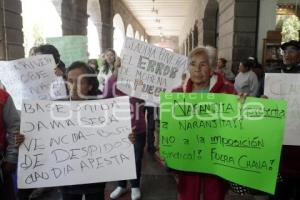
(217,134)
(71,48)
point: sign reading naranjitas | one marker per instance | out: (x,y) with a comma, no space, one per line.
(217,134)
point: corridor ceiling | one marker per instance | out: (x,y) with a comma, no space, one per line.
(166,19)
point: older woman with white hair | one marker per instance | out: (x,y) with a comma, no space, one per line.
(203,79)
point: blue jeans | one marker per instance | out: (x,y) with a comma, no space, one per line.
(151,112)
(138,152)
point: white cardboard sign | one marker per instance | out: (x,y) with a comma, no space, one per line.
(80,142)
(287,87)
(32,78)
(148,70)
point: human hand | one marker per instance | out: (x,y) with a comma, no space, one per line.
(19,139)
(132,137)
(242,97)
(58,72)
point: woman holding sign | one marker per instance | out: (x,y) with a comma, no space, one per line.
(107,68)
(202,80)
(60,69)
(86,88)
(138,124)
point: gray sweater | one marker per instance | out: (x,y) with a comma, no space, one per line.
(246,83)
(12,124)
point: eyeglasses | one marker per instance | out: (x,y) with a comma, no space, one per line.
(289,51)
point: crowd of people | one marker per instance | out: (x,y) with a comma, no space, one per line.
(205,74)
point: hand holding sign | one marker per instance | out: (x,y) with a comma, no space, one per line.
(148,70)
(32,78)
(69,143)
(287,87)
(216,134)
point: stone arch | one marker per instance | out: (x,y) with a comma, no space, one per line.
(142,38)
(137,35)
(36,25)
(119,33)
(129,19)
(210,23)
(94,11)
(93,32)
(129,31)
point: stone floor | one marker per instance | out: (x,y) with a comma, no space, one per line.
(156,184)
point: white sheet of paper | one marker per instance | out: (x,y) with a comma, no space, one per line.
(287,87)
(148,70)
(78,142)
(32,78)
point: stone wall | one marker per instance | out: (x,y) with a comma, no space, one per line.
(11,35)
(229,25)
(245,31)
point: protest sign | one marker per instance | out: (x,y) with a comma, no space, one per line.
(70,143)
(147,70)
(71,48)
(216,134)
(32,78)
(287,87)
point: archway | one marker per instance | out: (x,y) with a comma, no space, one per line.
(93,36)
(129,31)
(94,21)
(37,26)
(142,38)
(210,23)
(137,35)
(119,33)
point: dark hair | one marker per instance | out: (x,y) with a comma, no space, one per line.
(255,62)
(94,62)
(223,60)
(293,43)
(50,49)
(92,80)
(248,64)
(105,64)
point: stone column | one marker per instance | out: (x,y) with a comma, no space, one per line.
(106,34)
(74,17)
(237,30)
(11,34)
(245,30)
(106,29)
